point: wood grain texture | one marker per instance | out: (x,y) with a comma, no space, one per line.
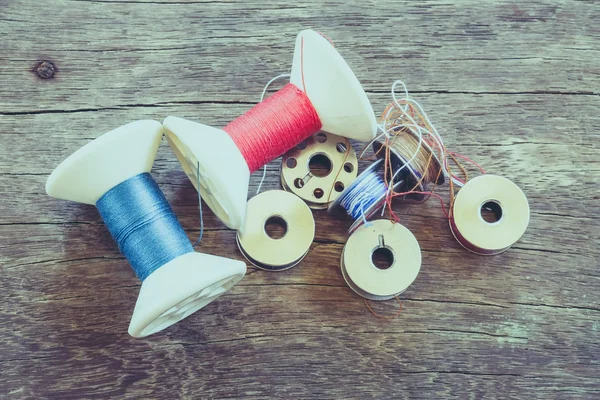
(515,86)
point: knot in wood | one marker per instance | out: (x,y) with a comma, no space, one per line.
(45,70)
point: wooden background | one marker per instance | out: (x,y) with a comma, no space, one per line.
(515,86)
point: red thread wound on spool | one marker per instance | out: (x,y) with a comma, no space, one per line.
(274,126)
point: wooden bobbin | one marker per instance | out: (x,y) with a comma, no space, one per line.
(359,270)
(502,197)
(279,254)
(319,191)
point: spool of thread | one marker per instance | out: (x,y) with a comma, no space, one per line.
(273,126)
(112,172)
(498,195)
(403,253)
(363,197)
(276,254)
(320,188)
(323,94)
(143,225)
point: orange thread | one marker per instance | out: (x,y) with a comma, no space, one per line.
(404,139)
(385,316)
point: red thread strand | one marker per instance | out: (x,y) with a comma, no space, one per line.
(274,126)
(468,160)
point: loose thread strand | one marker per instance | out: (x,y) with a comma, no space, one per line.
(262,97)
(388,317)
(199,209)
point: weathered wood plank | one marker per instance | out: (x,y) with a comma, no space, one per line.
(489,340)
(149,53)
(514,86)
(547,144)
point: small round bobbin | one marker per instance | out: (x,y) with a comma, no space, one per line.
(409,174)
(373,168)
(500,196)
(364,277)
(318,190)
(266,252)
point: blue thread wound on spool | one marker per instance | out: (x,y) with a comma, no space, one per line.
(143,224)
(366,190)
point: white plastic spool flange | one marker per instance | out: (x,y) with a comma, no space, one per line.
(333,89)
(182,286)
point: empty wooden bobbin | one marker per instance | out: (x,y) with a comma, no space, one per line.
(506,206)
(394,242)
(283,208)
(319,187)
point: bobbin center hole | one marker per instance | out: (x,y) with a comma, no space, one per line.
(382,257)
(320,165)
(276,227)
(491,211)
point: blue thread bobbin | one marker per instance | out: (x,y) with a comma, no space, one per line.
(112,172)
(369,191)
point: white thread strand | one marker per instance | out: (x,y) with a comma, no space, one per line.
(262,96)
(416,129)
(199,209)
(434,135)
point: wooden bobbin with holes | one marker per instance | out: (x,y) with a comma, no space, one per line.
(276,252)
(319,169)
(381,238)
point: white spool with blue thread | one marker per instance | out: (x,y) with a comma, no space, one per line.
(112,172)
